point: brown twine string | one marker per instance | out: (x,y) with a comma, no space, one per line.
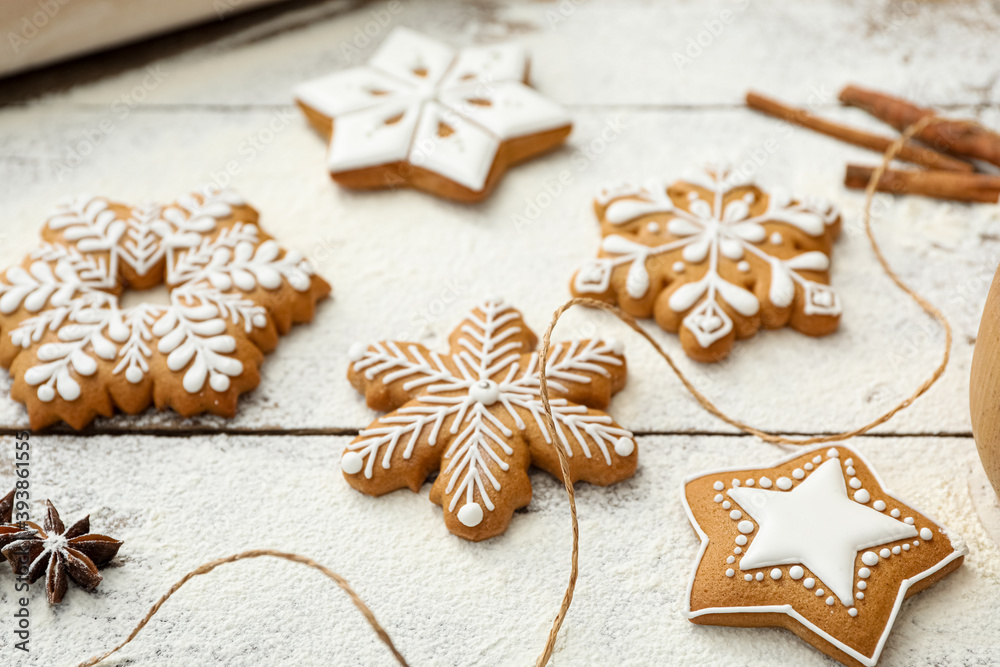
(259,553)
(703,400)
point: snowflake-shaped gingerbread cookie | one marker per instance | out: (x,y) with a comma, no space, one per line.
(816,544)
(424,115)
(75,353)
(476,415)
(715,259)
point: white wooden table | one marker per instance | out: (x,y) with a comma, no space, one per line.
(180,492)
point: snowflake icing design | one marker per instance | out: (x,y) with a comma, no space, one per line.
(61,311)
(715,258)
(476,414)
(421,103)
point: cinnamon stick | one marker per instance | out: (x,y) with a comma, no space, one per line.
(939,184)
(959,137)
(910,152)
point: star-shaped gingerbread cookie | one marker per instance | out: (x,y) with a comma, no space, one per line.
(714,258)
(424,115)
(475,413)
(814,544)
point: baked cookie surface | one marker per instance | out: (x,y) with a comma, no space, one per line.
(74,352)
(475,413)
(421,114)
(814,544)
(714,258)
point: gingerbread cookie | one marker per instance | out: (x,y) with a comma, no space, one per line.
(74,353)
(714,258)
(421,114)
(475,413)
(814,544)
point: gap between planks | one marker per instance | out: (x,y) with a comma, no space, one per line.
(182,432)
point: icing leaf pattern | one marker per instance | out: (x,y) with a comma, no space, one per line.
(476,413)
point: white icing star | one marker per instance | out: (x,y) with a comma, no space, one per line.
(420,101)
(817,525)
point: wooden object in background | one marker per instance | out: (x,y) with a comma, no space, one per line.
(984,386)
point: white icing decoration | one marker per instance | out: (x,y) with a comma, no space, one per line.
(784,483)
(471,514)
(815,525)
(730,572)
(718,486)
(624,446)
(828,542)
(747,577)
(906,547)
(864,573)
(206,269)
(879,505)
(908,520)
(741,540)
(895,550)
(854,482)
(392,109)
(796,572)
(809,466)
(850,469)
(884,553)
(830,600)
(726,505)
(735,515)
(765,483)
(894,513)
(852,611)
(738,550)
(926,534)
(719,498)
(750,482)
(730,559)
(759,576)
(707,230)
(862,496)
(744,526)
(486,388)
(357,352)
(776,574)
(798,473)
(817,459)
(820,592)
(351,463)
(862,585)
(869,558)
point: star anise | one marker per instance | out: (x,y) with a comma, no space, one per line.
(58,553)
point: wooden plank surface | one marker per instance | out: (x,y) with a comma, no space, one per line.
(178,502)
(214,104)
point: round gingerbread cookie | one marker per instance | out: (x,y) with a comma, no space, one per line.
(75,353)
